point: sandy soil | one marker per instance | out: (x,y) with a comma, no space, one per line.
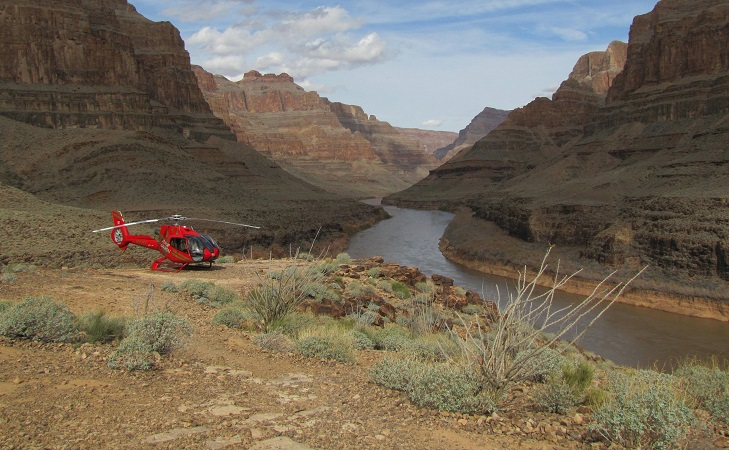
(220,390)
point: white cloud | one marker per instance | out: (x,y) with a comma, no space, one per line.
(302,44)
(433,123)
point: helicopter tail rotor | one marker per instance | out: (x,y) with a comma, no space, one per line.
(119,232)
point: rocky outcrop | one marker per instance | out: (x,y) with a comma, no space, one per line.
(481,125)
(428,140)
(100,64)
(627,167)
(334,146)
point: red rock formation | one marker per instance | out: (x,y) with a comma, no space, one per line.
(481,125)
(97,63)
(334,146)
(428,140)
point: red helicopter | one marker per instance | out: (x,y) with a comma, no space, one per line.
(180,245)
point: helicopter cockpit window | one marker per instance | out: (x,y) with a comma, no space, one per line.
(179,244)
(210,244)
(196,249)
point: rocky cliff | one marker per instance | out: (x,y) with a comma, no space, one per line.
(429,140)
(100,110)
(626,167)
(97,63)
(480,126)
(332,145)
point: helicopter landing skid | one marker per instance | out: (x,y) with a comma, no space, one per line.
(165,265)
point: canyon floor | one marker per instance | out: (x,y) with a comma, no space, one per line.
(220,390)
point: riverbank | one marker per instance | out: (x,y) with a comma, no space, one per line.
(664,301)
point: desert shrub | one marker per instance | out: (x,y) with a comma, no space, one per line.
(18,268)
(320,291)
(374,272)
(4,305)
(643,410)
(39,319)
(275,342)
(384,285)
(355,289)
(133,354)
(169,286)
(343,258)
(293,324)
(556,395)
(472,310)
(219,295)
(708,388)
(423,317)
(364,317)
(426,287)
(161,332)
(520,327)
(395,373)
(362,341)
(435,347)
(98,327)
(401,290)
(276,297)
(539,363)
(8,278)
(325,347)
(448,388)
(392,337)
(231,317)
(196,288)
(227,259)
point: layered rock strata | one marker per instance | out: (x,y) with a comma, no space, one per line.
(481,125)
(629,168)
(99,64)
(332,145)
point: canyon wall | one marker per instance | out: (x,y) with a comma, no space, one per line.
(626,163)
(335,146)
(480,127)
(98,63)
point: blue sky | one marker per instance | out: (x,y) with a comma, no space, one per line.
(431,64)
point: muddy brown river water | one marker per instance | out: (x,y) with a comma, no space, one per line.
(627,335)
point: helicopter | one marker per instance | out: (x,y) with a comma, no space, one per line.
(180,245)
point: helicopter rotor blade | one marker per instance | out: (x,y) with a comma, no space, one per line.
(218,221)
(126,224)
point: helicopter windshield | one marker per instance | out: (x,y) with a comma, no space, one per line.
(198,244)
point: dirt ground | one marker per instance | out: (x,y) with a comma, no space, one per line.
(220,390)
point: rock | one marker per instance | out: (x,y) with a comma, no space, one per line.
(480,126)
(332,145)
(98,64)
(650,103)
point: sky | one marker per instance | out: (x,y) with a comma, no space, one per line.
(429,64)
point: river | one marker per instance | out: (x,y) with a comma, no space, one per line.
(625,334)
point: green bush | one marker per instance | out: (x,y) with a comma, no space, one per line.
(169,286)
(448,388)
(162,332)
(539,363)
(431,347)
(320,291)
(275,341)
(355,289)
(8,278)
(384,285)
(227,259)
(39,319)
(708,387)
(396,373)
(231,317)
(362,341)
(4,305)
(374,272)
(327,344)
(643,411)
(208,293)
(293,324)
(343,258)
(133,354)
(98,327)
(401,290)
(473,310)
(392,337)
